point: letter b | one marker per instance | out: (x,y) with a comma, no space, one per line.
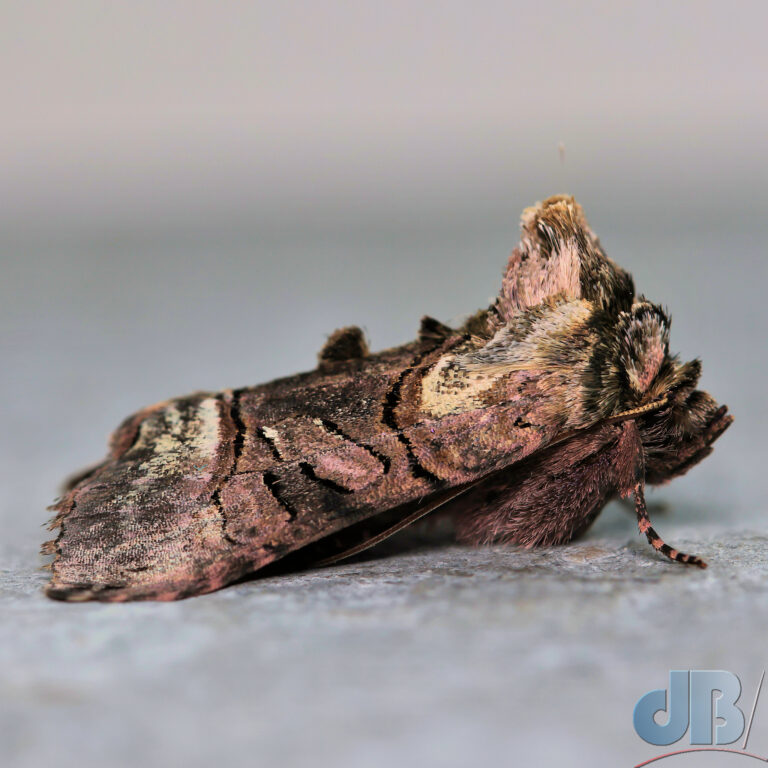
(704,682)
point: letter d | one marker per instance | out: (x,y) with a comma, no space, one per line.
(654,701)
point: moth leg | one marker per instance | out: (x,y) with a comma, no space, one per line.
(644,524)
(654,507)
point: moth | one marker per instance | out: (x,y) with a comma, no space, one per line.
(523,423)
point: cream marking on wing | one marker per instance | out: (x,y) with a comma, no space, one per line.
(274,437)
(457,382)
(319,423)
(178,443)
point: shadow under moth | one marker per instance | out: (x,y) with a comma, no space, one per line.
(523,423)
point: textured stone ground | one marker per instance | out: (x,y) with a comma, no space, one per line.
(422,653)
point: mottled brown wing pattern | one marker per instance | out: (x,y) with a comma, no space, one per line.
(204,490)
(523,408)
(141,513)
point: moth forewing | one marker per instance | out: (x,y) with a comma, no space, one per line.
(524,421)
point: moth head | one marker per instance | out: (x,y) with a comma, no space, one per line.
(680,432)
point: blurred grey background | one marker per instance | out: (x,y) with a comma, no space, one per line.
(193,195)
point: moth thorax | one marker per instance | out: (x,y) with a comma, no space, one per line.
(646,345)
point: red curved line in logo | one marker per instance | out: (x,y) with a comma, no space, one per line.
(703,749)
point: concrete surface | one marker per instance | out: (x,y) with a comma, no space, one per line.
(436,655)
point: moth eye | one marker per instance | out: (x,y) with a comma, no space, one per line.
(695,413)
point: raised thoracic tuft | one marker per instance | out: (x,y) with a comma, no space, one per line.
(560,257)
(433,330)
(344,344)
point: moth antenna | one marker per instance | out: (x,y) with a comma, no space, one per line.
(640,411)
(644,524)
